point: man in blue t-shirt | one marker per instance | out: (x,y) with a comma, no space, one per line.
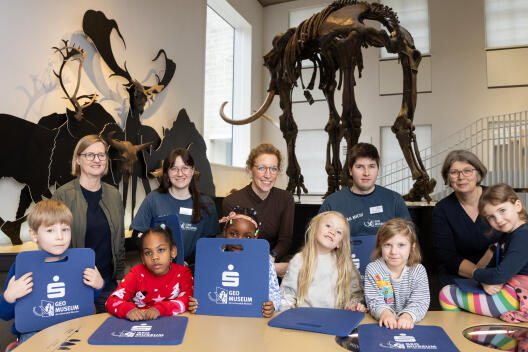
(365,205)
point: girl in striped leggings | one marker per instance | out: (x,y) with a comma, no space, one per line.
(503,281)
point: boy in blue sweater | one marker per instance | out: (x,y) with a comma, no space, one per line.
(50,227)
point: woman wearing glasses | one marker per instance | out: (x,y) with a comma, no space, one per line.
(98,214)
(460,236)
(274,206)
(178,194)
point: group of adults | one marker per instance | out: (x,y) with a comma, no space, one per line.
(460,236)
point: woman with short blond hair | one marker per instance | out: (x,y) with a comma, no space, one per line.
(98,213)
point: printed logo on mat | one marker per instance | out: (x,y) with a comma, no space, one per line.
(224,295)
(141,330)
(406,342)
(55,289)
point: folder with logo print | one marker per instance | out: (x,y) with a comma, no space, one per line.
(338,322)
(173,222)
(162,331)
(374,338)
(59,293)
(231,283)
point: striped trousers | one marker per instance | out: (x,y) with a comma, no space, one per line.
(453,298)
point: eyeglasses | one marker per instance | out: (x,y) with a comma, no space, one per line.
(465,172)
(91,156)
(184,170)
(262,169)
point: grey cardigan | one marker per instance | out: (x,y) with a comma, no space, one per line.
(71,195)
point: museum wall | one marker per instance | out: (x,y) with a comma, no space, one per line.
(29,29)
(458,77)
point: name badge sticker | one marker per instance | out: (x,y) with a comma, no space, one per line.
(185,211)
(376,210)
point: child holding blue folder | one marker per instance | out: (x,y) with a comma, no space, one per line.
(243,223)
(50,227)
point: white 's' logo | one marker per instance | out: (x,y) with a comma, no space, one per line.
(141,327)
(230,278)
(356,261)
(404,338)
(56,289)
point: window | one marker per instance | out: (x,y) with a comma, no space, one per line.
(506,43)
(414,16)
(227,78)
(506,23)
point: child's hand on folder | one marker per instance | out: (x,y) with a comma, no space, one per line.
(193,305)
(267,309)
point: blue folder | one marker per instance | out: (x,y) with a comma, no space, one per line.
(362,247)
(59,293)
(337,322)
(173,221)
(162,331)
(469,285)
(421,338)
(231,283)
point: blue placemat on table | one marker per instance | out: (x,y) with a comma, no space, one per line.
(59,293)
(231,283)
(337,322)
(162,331)
(469,285)
(421,338)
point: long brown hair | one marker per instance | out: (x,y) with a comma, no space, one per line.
(165,183)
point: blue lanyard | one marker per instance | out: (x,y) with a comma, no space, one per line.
(497,254)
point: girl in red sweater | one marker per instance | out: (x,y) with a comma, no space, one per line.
(156,287)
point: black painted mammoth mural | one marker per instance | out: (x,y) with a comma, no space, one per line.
(38,155)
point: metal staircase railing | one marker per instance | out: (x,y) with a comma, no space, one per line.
(501,143)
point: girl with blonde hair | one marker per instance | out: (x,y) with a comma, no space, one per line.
(322,275)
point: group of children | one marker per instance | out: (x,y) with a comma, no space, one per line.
(395,288)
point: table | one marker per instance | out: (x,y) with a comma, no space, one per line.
(211,333)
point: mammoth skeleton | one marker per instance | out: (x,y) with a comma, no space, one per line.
(332,40)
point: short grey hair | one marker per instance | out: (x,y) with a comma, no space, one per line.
(466,157)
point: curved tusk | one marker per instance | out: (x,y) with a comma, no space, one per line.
(253,117)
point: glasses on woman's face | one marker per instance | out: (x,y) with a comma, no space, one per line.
(465,172)
(186,170)
(262,169)
(91,156)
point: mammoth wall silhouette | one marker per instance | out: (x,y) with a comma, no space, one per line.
(136,149)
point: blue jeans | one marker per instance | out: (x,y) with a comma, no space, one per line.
(109,287)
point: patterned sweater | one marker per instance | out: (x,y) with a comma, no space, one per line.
(408,294)
(169,293)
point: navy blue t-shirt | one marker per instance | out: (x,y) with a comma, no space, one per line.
(158,204)
(366,213)
(98,236)
(513,262)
